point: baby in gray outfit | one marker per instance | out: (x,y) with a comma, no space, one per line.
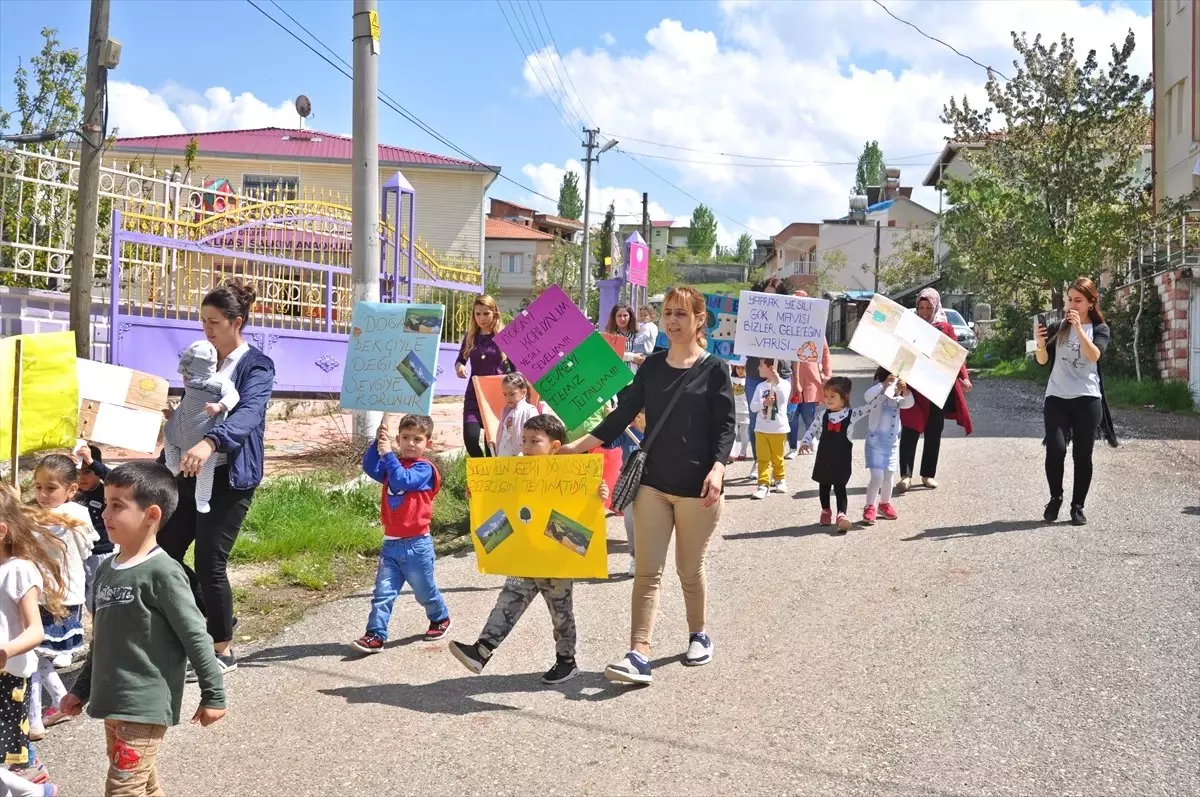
(207,397)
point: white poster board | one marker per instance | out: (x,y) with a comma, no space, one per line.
(780,326)
(119,406)
(909,347)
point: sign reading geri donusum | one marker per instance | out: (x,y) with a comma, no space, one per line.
(391,359)
(779,326)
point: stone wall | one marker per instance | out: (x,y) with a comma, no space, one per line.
(1175,290)
(25,311)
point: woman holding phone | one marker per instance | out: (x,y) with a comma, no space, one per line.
(1074,407)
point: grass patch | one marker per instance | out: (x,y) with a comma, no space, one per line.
(1168,396)
(309,570)
(722,287)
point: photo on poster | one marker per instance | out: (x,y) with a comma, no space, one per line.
(415,373)
(566,532)
(494,531)
(425,322)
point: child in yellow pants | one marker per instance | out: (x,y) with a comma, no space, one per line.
(770,402)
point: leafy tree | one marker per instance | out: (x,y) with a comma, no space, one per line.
(602,249)
(911,260)
(1055,193)
(570,202)
(54,98)
(745,249)
(702,237)
(661,275)
(561,268)
(870,169)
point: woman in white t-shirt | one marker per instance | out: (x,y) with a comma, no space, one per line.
(1074,406)
(29,574)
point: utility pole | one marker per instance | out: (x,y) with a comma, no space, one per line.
(364,233)
(87,198)
(878,232)
(642,290)
(585,270)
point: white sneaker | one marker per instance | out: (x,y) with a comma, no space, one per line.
(62,661)
(791,454)
(780,486)
(761,492)
(700,650)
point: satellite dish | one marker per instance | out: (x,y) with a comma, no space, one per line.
(303,106)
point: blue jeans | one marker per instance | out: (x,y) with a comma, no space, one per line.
(405,559)
(801,419)
(752,383)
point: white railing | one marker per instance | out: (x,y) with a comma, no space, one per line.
(1171,244)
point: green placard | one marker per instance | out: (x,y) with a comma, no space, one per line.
(583,380)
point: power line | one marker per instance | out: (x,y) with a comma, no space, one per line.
(664,145)
(558,55)
(945,44)
(797,165)
(553,70)
(385,98)
(550,92)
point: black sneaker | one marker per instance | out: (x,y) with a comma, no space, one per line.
(473,657)
(1077,516)
(1051,513)
(564,669)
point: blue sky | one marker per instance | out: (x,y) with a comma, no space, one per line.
(803,81)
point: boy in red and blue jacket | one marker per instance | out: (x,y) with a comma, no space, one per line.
(410,483)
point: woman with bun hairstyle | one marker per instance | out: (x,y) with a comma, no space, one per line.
(479,349)
(237,445)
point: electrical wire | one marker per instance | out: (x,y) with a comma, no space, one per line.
(552,73)
(797,165)
(526,58)
(664,145)
(945,44)
(567,72)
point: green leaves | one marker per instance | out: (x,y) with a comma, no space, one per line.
(702,236)
(570,202)
(871,168)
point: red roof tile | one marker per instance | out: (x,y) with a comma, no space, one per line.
(501,229)
(278,142)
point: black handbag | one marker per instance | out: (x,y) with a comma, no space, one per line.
(631,472)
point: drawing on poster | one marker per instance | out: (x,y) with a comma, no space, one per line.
(569,534)
(494,531)
(391,357)
(911,348)
(776,325)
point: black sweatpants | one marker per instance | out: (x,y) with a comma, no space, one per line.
(839,490)
(473,439)
(934,426)
(214,534)
(1075,420)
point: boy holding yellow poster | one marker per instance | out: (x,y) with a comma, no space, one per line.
(543,435)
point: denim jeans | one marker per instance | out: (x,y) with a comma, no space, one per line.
(801,419)
(405,559)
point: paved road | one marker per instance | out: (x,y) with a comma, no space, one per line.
(966,648)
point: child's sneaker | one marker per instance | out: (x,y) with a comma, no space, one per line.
(792,453)
(761,492)
(633,669)
(473,657)
(826,517)
(36,732)
(869,515)
(700,650)
(35,773)
(843,523)
(564,669)
(888,512)
(780,486)
(368,643)
(437,630)
(52,717)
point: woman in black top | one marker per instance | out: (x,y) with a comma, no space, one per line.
(683,480)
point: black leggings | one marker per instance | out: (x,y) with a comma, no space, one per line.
(839,490)
(1073,420)
(934,426)
(473,439)
(214,534)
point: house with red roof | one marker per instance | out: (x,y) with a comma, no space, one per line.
(280,163)
(516,252)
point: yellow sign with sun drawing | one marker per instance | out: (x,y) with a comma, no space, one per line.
(538,517)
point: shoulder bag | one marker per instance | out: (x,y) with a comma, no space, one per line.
(631,472)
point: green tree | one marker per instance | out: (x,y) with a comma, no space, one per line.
(570,203)
(911,260)
(561,268)
(702,237)
(745,249)
(602,243)
(870,169)
(661,275)
(52,97)
(1055,193)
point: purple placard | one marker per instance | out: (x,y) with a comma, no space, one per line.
(549,328)
(639,264)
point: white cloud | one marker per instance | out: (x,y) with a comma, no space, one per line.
(811,82)
(137,111)
(608,38)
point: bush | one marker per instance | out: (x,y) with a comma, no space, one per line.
(1119,358)
(1170,396)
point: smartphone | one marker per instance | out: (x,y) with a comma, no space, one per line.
(1041,319)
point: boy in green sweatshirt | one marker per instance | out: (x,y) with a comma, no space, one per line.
(146,628)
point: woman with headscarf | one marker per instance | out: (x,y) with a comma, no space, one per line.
(925,417)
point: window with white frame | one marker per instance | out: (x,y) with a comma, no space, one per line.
(270,187)
(511,264)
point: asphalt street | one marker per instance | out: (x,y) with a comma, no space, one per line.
(966,648)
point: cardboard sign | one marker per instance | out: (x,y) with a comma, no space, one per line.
(639,264)
(780,326)
(616,341)
(721,326)
(541,334)
(538,517)
(391,360)
(119,406)
(910,348)
(47,398)
(489,391)
(584,380)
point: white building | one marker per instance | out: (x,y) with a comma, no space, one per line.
(1176,26)
(897,219)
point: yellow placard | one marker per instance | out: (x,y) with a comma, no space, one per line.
(538,517)
(49,400)
(373,16)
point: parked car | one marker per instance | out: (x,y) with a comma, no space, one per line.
(963,331)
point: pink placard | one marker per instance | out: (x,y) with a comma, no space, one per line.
(550,327)
(639,264)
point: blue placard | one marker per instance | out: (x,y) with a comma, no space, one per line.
(392,357)
(720,325)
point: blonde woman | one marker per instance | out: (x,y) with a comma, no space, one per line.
(479,349)
(682,486)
